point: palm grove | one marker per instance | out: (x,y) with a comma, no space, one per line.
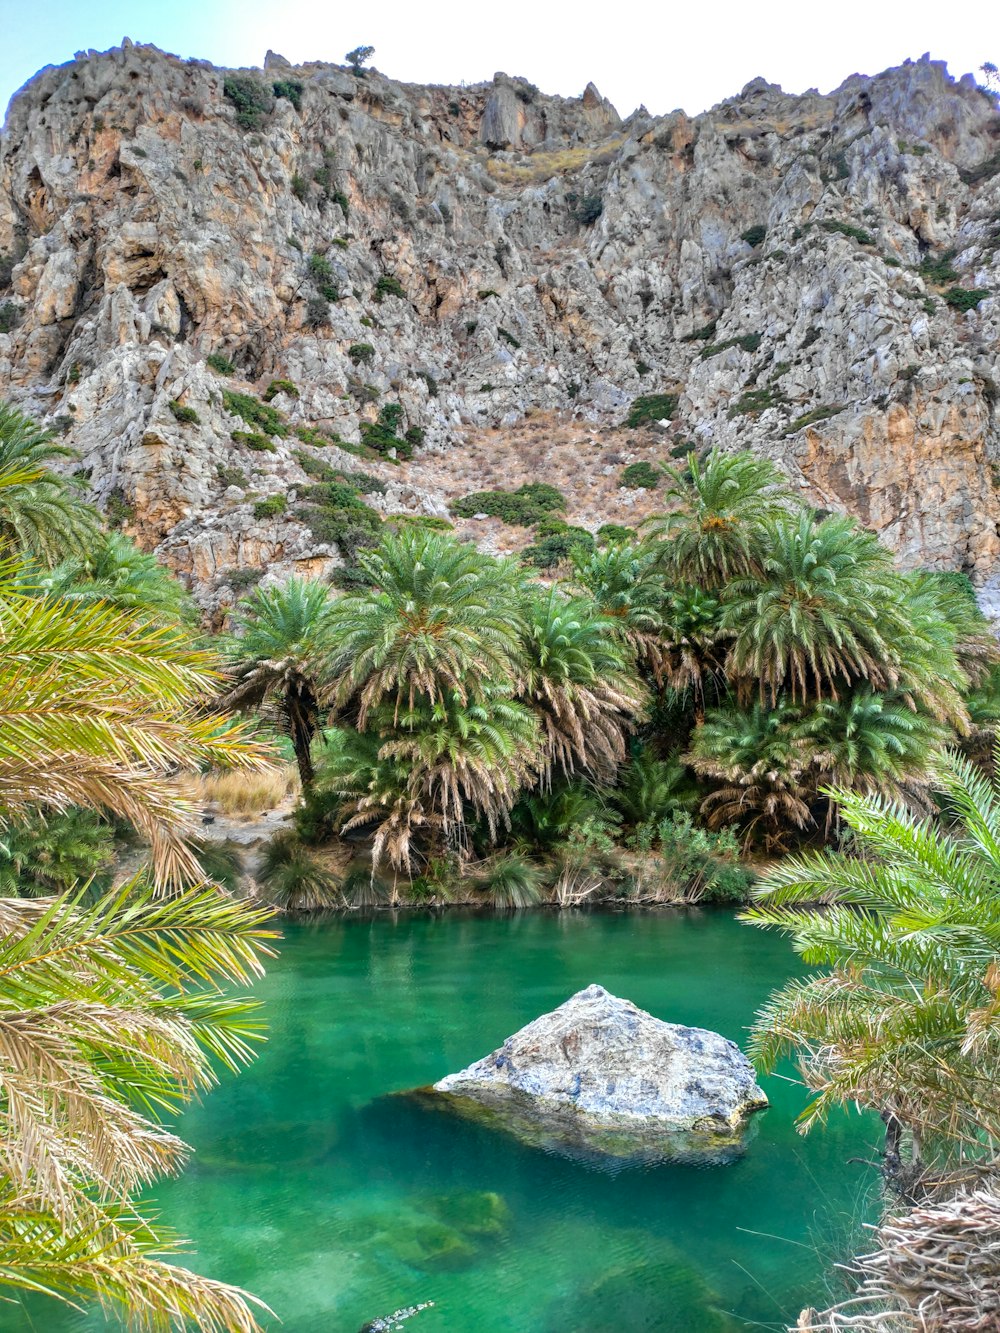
(741,675)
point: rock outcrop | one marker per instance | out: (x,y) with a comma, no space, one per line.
(600,1074)
(813,276)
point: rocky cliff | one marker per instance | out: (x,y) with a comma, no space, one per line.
(813,276)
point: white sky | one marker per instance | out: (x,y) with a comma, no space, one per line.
(665,56)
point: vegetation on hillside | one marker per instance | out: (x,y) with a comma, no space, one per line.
(761,653)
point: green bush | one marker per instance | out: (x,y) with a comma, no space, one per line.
(290,89)
(938,268)
(510,882)
(254,413)
(703,334)
(117,509)
(220,363)
(251,98)
(608,534)
(252,439)
(241,579)
(232,476)
(361,353)
(524,507)
(964,298)
(817,414)
(508,338)
(382,435)
(426,522)
(753,401)
(9,316)
(845,229)
(317,312)
(300,188)
(321,272)
(280,386)
(754,235)
(705,865)
(187,416)
(641,474)
(388,285)
(557,545)
(271,507)
(748,341)
(316,439)
(589,209)
(652,407)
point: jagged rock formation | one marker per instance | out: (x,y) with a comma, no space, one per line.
(601,1074)
(777,267)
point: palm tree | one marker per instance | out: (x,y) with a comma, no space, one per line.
(41,513)
(424,773)
(626,586)
(762,759)
(717,530)
(874,743)
(440,620)
(100,711)
(580,681)
(649,790)
(280,655)
(906,1020)
(693,644)
(825,610)
(463,756)
(953,599)
(107,1014)
(373,791)
(941,647)
(114,571)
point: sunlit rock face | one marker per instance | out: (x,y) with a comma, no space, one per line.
(780,264)
(602,1075)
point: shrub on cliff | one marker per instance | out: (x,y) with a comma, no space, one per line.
(252,99)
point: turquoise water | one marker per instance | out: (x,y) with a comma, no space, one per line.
(336,1203)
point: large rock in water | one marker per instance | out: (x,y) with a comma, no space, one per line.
(599,1075)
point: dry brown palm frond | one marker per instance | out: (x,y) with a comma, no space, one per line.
(934,1268)
(108,1015)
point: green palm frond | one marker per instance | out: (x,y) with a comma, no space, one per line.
(41,513)
(440,618)
(579,679)
(100,711)
(114,572)
(907,1021)
(823,611)
(717,529)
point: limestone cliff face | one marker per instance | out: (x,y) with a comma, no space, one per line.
(779,263)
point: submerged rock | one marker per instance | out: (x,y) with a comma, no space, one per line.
(600,1075)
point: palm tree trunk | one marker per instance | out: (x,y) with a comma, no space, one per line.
(300,706)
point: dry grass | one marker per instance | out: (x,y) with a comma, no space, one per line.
(240,793)
(541,166)
(584,461)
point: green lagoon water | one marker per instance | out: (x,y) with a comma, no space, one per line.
(335,1202)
